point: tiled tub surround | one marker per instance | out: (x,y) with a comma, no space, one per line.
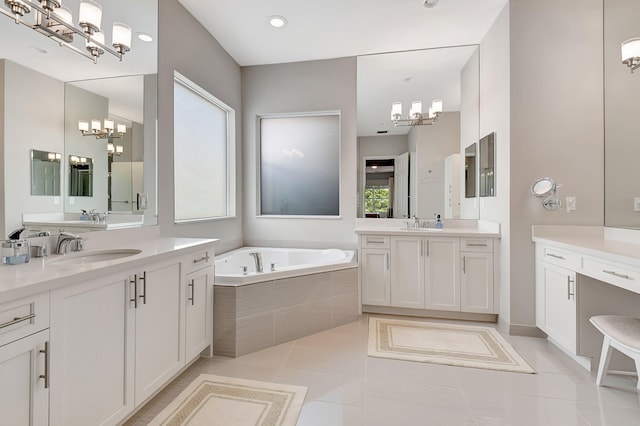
(256,316)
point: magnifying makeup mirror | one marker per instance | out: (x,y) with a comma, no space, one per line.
(547,188)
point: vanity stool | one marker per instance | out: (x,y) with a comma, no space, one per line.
(622,333)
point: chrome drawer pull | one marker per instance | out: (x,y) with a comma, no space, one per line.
(47,362)
(615,274)
(135,291)
(193,292)
(202,259)
(477,245)
(556,256)
(16,320)
(375,241)
(143,296)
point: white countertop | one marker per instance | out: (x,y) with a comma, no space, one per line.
(452,228)
(72,220)
(616,244)
(17,281)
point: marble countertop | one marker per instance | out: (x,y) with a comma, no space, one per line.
(41,274)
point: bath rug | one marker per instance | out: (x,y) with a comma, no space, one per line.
(215,400)
(439,343)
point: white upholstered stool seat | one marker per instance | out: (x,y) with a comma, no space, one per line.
(621,333)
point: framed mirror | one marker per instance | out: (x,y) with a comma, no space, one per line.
(428,168)
(45,172)
(80,176)
(470,170)
(487,162)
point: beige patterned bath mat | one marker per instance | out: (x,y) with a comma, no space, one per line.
(440,343)
(215,400)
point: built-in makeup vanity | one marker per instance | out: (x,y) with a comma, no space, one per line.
(583,271)
(87,338)
(426,271)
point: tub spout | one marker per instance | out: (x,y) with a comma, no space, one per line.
(257,256)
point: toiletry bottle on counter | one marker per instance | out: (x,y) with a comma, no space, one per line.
(15,252)
(439,224)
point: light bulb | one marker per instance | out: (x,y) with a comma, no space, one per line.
(90,17)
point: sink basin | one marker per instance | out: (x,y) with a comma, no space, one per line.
(83,258)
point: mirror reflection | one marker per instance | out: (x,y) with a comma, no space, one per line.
(470,159)
(427,176)
(80,176)
(487,166)
(621,111)
(45,172)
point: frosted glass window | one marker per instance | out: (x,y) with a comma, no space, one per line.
(204,154)
(300,165)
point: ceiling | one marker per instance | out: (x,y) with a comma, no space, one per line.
(345,28)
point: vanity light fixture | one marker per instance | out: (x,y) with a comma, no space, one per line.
(106,129)
(631,53)
(416,117)
(114,150)
(55,21)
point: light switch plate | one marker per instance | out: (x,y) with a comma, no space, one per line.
(570,203)
(636,204)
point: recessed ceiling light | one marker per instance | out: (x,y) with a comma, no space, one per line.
(430,3)
(144,37)
(277,21)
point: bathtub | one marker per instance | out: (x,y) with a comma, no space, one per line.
(278,263)
(309,291)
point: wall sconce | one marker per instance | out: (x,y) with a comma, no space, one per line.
(547,188)
(416,117)
(102,130)
(114,150)
(56,22)
(631,53)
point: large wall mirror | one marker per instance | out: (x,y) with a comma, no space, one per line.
(120,91)
(621,110)
(406,171)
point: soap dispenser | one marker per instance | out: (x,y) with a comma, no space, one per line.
(439,224)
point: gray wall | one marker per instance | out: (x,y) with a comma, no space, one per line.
(205,62)
(556,129)
(300,87)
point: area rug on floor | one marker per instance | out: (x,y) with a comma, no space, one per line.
(215,400)
(440,343)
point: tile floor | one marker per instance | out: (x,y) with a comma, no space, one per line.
(348,388)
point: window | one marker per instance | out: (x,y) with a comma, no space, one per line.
(376,200)
(204,154)
(300,165)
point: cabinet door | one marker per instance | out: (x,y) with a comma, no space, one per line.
(92,353)
(198,303)
(374,277)
(159,342)
(442,277)
(476,282)
(407,272)
(560,305)
(23,397)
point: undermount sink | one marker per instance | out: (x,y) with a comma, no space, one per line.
(84,258)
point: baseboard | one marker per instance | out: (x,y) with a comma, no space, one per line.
(427,313)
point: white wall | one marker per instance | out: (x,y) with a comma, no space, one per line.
(206,63)
(300,87)
(28,126)
(556,128)
(469,127)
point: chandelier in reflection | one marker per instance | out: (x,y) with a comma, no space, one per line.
(106,129)
(55,21)
(416,117)
(631,53)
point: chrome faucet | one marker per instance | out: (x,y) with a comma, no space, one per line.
(258,258)
(67,239)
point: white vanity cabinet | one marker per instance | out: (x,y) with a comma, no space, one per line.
(556,294)
(477,275)
(375,270)
(117,340)
(24,362)
(439,273)
(199,275)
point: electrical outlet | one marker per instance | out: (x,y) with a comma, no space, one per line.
(636,204)
(570,202)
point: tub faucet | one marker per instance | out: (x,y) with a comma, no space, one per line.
(258,258)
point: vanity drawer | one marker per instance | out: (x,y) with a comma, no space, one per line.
(613,273)
(476,244)
(198,260)
(559,257)
(23,317)
(375,241)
